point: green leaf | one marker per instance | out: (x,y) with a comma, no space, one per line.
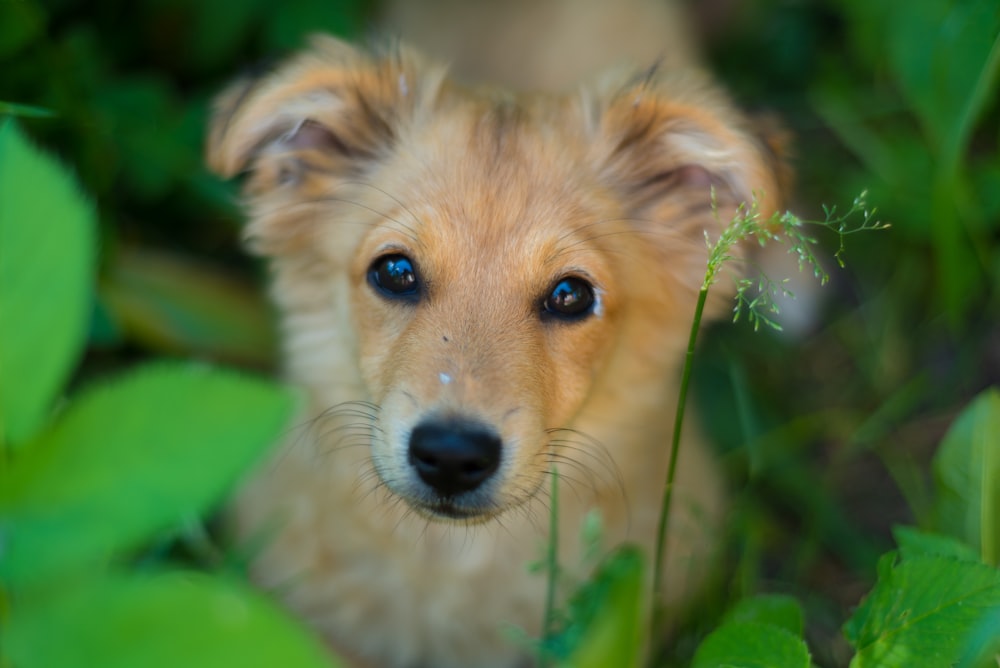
(154,621)
(967,471)
(130,458)
(946,56)
(914,543)
(923,612)
(751,645)
(606,615)
(46,268)
(982,649)
(774,609)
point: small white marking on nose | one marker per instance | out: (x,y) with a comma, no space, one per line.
(445,378)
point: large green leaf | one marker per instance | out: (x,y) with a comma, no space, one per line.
(967,471)
(982,650)
(46,267)
(923,612)
(751,645)
(154,621)
(130,458)
(760,632)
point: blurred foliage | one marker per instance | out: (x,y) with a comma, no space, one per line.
(120,90)
(604,625)
(835,426)
(967,476)
(86,482)
(38,354)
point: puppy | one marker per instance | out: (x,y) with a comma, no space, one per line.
(477,288)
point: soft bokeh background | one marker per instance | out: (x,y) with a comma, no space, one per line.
(827,430)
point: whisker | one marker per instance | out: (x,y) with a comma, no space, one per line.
(587,455)
(574,483)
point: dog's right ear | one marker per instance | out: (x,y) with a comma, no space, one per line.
(332,109)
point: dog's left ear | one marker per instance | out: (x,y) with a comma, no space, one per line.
(333,109)
(669,141)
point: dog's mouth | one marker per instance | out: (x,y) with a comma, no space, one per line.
(450,510)
(478,507)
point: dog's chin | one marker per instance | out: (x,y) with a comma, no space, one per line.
(478,506)
(447,511)
(478,509)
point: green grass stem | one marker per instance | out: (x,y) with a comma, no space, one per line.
(675,446)
(744,226)
(551,565)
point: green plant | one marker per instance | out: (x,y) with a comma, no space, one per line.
(86,481)
(121,93)
(937,598)
(745,226)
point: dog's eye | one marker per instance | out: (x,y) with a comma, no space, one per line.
(395,277)
(571,298)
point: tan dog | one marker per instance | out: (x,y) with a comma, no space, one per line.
(476,288)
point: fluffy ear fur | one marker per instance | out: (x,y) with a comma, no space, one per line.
(321,119)
(332,109)
(683,160)
(673,138)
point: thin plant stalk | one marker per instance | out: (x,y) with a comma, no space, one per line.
(745,225)
(675,447)
(551,563)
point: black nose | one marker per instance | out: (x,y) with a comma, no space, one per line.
(453,456)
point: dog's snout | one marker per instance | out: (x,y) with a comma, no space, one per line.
(453,457)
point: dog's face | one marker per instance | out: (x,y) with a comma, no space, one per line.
(490,257)
(488,302)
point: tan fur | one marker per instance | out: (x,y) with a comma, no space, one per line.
(495,196)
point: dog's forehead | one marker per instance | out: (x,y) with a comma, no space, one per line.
(499,177)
